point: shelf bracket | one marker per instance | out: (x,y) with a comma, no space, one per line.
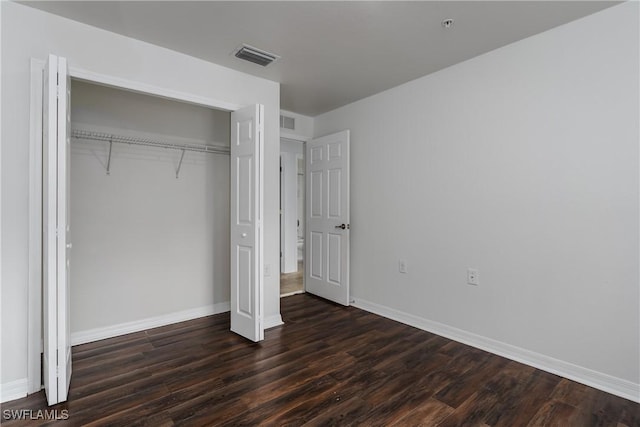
(180,164)
(109,159)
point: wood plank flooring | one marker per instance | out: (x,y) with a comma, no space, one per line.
(328,365)
(292,282)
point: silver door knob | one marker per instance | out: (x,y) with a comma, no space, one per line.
(342,226)
(69,245)
(244,235)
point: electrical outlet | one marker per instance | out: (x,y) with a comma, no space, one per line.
(267,270)
(473,277)
(402,266)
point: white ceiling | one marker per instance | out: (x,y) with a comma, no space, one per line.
(333,53)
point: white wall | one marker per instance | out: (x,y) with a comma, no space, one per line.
(28,33)
(146,244)
(523,163)
(97,105)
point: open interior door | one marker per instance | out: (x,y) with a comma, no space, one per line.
(247,134)
(328,228)
(56,245)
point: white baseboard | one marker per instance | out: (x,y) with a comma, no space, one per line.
(96,334)
(13,390)
(595,379)
(291,293)
(273,321)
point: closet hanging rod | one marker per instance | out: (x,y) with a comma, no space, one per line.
(107,137)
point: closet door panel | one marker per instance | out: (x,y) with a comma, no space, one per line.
(55,217)
(246,222)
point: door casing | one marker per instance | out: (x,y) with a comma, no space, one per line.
(303,141)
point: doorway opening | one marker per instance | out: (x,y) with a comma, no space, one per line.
(292,216)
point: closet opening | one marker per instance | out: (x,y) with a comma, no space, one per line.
(149,208)
(292,216)
(102,149)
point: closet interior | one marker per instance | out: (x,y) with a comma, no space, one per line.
(149,209)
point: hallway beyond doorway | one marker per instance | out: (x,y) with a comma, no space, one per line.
(292,283)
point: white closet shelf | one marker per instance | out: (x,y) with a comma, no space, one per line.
(121,139)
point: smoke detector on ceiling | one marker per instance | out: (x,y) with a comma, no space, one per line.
(255,55)
(447,23)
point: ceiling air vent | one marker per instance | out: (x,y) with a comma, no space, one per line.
(287,123)
(257,56)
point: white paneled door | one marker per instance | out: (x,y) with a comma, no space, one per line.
(247,135)
(56,244)
(328,228)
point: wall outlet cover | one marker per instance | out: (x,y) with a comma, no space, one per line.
(473,277)
(402,266)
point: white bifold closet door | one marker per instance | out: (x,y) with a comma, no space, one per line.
(56,245)
(247,134)
(328,229)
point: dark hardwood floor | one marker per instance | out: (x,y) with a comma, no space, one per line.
(328,365)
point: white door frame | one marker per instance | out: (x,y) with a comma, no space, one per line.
(284,170)
(303,140)
(34,341)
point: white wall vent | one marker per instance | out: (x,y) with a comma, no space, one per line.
(255,55)
(287,122)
